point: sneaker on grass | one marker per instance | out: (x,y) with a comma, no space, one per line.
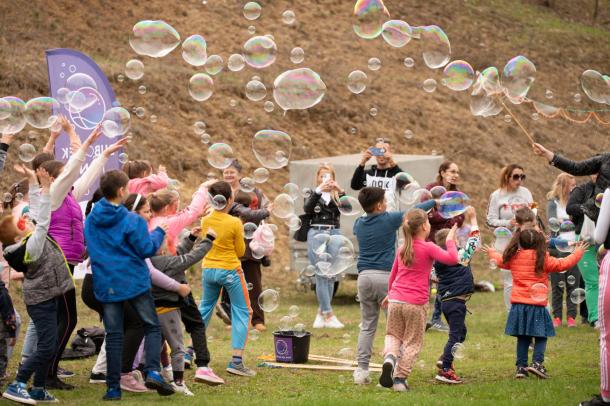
(240,369)
(206,375)
(156,382)
(64,373)
(448,376)
(439,326)
(17,392)
(112,394)
(361,376)
(41,395)
(522,373)
(387,372)
(596,400)
(180,387)
(538,369)
(400,385)
(97,378)
(130,384)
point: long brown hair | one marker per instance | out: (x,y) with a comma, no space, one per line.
(528,239)
(444,168)
(560,189)
(506,172)
(413,221)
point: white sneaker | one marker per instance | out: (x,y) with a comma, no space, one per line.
(333,322)
(182,388)
(319,321)
(361,376)
(167,373)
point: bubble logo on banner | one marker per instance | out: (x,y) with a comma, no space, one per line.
(92,115)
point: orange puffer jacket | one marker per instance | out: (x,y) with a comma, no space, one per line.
(522,266)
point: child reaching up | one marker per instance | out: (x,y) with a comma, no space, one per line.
(142,180)
(408,297)
(529,262)
(455,286)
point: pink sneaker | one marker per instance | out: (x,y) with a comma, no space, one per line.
(571,322)
(206,375)
(130,384)
(556,322)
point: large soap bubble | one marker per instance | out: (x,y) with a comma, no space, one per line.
(116,122)
(488,82)
(436,47)
(452,204)
(81,92)
(269,300)
(194,50)
(214,64)
(518,77)
(283,206)
(334,254)
(260,52)
(153,38)
(39,112)
(356,81)
(256,90)
(298,89)
(5,109)
(458,75)
(595,86)
(252,10)
(370,16)
(201,86)
(349,206)
(15,120)
(220,155)
(272,148)
(134,69)
(396,33)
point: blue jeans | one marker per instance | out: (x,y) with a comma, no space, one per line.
(324,286)
(29,342)
(523,343)
(144,306)
(233,281)
(44,316)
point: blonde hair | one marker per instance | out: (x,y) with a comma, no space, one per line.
(413,221)
(328,168)
(560,189)
(162,198)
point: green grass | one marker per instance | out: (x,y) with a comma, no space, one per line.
(572,360)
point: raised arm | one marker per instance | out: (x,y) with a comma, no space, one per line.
(36,242)
(603,220)
(188,215)
(552,264)
(448,257)
(248,215)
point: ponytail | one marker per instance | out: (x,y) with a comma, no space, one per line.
(161,199)
(414,220)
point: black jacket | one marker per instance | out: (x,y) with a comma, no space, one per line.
(579,196)
(7,311)
(454,280)
(599,164)
(359,177)
(320,212)
(248,215)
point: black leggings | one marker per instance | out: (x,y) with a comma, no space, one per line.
(66,323)
(132,324)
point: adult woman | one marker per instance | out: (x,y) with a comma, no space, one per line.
(503,203)
(565,281)
(321,205)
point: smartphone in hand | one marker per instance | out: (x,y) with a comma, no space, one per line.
(377,151)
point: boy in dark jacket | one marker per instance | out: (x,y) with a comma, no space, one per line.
(455,286)
(118,242)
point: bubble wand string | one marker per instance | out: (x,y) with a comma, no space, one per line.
(517,121)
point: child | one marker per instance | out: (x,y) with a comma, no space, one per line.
(47,277)
(408,297)
(455,286)
(222,270)
(376,234)
(141,178)
(168,304)
(529,262)
(118,242)
(8,328)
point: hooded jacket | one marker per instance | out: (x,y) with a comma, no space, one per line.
(579,196)
(118,242)
(457,280)
(359,177)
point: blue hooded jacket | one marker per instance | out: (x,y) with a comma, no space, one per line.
(118,242)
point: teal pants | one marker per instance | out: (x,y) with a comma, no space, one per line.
(590,274)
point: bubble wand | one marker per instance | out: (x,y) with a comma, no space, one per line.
(517,121)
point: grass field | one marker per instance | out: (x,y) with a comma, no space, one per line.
(487,368)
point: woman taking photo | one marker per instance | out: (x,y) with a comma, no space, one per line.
(503,203)
(322,208)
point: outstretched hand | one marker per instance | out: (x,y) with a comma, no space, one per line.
(116,146)
(25,171)
(95,134)
(540,150)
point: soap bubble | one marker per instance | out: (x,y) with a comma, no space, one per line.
(297,55)
(123,158)
(493,265)
(249,229)
(409,62)
(535,116)
(292,190)
(247,184)
(577,97)
(293,222)
(218,202)
(458,351)
(39,112)
(429,85)
(293,311)
(288,17)
(436,47)
(346,338)
(335,253)
(194,50)
(369,18)
(502,238)
(507,118)
(488,81)
(452,204)
(260,52)
(153,38)
(116,122)
(577,296)
(561,284)
(140,112)
(374,64)
(134,69)
(539,292)
(349,206)
(356,81)
(261,175)
(236,62)
(458,75)
(595,86)
(396,33)
(251,30)
(26,152)
(232,102)
(518,77)
(571,279)
(82,92)
(255,90)
(408,134)
(250,286)
(220,155)
(373,111)
(548,94)
(563,243)
(283,206)
(5,109)
(252,10)
(201,86)
(7,197)
(285,323)
(298,89)
(272,148)
(566,226)
(438,191)
(199,127)
(299,330)
(120,78)
(142,89)
(599,199)
(213,65)
(269,300)
(80,80)
(268,106)
(309,270)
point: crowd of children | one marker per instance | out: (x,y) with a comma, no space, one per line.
(137,245)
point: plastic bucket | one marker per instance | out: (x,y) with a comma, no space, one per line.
(291,347)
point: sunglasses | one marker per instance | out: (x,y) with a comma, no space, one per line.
(518,177)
